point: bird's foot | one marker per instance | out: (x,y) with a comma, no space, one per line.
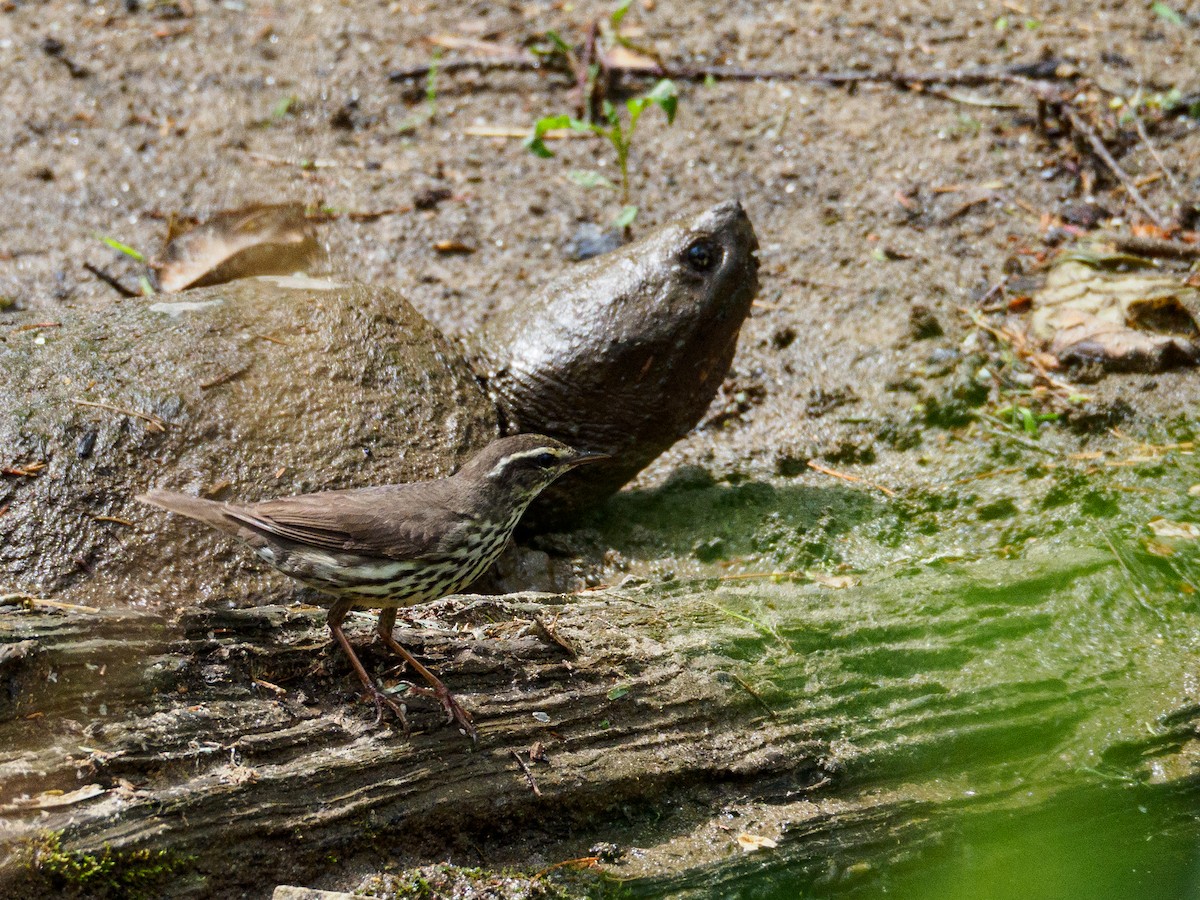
(454,711)
(381,700)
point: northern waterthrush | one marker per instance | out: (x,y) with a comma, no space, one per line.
(395,545)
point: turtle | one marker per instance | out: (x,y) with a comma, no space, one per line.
(281,385)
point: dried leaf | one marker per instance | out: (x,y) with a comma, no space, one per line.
(1168,530)
(752,842)
(832,581)
(241,243)
(1131,321)
(622,57)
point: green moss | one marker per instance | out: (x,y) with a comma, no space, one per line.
(108,873)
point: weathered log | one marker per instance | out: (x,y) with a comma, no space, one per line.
(231,740)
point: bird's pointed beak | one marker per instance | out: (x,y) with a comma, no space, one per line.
(582,457)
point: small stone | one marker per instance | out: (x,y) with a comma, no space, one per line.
(591,240)
(430,197)
(922,323)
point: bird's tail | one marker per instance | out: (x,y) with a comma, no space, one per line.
(210,512)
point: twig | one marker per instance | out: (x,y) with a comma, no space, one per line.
(583,862)
(755,694)
(299,162)
(552,634)
(29,470)
(1141,130)
(1080,125)
(1049,69)
(963,207)
(115,519)
(30,601)
(996,427)
(1156,247)
(111,280)
(817,467)
(739,576)
(533,786)
(994,291)
(262,682)
(226,378)
(35,326)
(523,63)
(154,422)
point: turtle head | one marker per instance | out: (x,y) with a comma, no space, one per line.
(625,351)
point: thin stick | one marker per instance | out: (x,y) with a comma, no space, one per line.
(1141,130)
(226,378)
(111,280)
(1146,246)
(35,326)
(755,694)
(1045,69)
(533,785)
(1080,125)
(155,423)
(30,600)
(816,466)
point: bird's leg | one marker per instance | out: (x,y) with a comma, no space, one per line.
(454,712)
(337,615)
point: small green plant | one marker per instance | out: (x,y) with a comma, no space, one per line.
(283,107)
(617,131)
(1025,418)
(429,112)
(133,253)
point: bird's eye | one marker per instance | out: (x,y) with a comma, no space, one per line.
(701,255)
(545,460)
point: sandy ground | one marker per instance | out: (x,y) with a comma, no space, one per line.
(866,202)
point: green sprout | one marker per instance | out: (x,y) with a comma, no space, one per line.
(617,130)
(1025,418)
(282,108)
(429,113)
(133,253)
(120,247)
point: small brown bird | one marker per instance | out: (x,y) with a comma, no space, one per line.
(395,545)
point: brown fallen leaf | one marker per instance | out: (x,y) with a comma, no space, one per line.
(240,243)
(1140,320)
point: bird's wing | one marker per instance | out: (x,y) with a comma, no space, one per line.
(392,522)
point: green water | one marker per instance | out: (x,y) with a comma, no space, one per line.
(1013,696)
(1110,843)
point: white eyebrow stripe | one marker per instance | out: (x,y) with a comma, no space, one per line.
(524,454)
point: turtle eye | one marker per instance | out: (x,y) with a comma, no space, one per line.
(701,255)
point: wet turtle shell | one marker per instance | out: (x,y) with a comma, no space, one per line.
(273,386)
